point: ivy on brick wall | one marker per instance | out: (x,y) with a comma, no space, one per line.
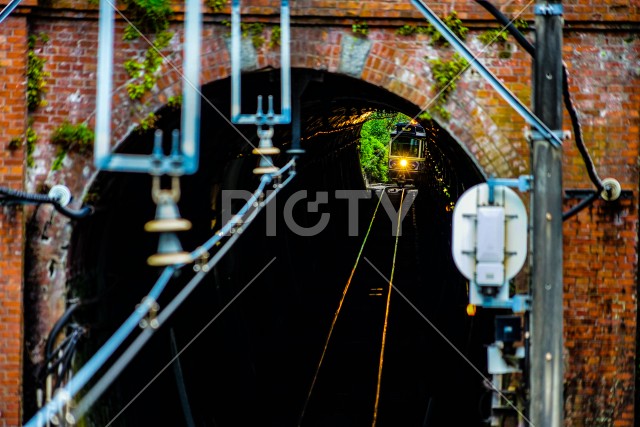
(499,35)
(143,72)
(147,17)
(216,5)
(70,137)
(452,21)
(445,74)
(35,73)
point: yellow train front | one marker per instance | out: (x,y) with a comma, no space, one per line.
(407,153)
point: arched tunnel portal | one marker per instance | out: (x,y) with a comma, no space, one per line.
(255,363)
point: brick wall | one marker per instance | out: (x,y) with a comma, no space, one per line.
(600,243)
(13,34)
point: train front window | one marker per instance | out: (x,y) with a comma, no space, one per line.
(406,147)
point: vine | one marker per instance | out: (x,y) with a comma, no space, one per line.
(174,102)
(216,5)
(148,123)
(31,138)
(252,30)
(455,25)
(35,73)
(70,137)
(410,30)
(274,40)
(500,35)
(147,16)
(360,28)
(144,72)
(445,74)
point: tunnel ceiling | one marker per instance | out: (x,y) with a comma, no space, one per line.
(332,110)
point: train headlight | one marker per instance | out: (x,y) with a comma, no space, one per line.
(403,163)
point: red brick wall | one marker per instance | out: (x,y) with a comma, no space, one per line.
(600,243)
(13,34)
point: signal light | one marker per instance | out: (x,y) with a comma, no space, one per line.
(471,310)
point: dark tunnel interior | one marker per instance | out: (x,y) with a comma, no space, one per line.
(253,365)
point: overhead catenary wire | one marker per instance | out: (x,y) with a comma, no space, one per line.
(246,216)
(65,394)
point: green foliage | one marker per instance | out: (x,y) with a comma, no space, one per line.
(32,138)
(35,74)
(500,35)
(68,137)
(61,153)
(445,74)
(410,30)
(374,145)
(144,72)
(148,123)
(360,28)
(455,25)
(216,5)
(254,30)
(147,16)
(274,40)
(174,102)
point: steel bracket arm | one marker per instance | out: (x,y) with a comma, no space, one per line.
(464,51)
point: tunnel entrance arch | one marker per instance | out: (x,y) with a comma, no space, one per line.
(254,364)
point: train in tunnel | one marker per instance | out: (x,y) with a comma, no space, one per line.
(407,153)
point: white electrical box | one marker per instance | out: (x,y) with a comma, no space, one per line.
(490,234)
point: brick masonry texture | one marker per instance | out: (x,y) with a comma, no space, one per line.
(601,51)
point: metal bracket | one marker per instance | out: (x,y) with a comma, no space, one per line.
(522,183)
(534,135)
(104,158)
(549,9)
(502,90)
(285,73)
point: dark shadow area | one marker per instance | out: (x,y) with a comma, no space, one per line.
(253,366)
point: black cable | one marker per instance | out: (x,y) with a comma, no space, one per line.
(508,25)
(57,328)
(566,95)
(21,196)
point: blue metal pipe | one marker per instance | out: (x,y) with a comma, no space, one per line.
(80,379)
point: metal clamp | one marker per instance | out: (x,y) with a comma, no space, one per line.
(534,135)
(549,9)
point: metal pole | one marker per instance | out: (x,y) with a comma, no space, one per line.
(546,398)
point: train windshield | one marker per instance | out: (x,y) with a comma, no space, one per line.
(406,147)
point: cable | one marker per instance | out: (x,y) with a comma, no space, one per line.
(23,198)
(64,395)
(386,313)
(577,129)
(105,381)
(337,313)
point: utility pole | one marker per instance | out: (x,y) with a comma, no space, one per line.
(546,326)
